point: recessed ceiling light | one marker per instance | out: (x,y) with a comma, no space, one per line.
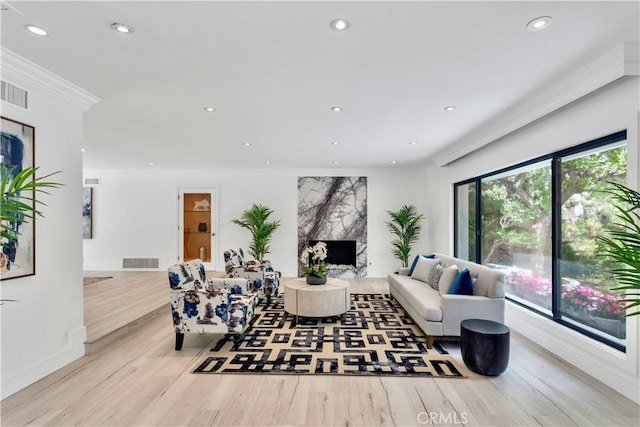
(247,144)
(335,162)
(36,30)
(449,108)
(340,24)
(84,150)
(413,143)
(336,109)
(335,143)
(151,164)
(540,23)
(209,109)
(267,162)
(122,28)
(393,162)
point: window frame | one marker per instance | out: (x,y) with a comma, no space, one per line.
(555,159)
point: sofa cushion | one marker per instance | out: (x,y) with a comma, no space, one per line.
(415,261)
(435,275)
(462,284)
(424,300)
(423,268)
(447,278)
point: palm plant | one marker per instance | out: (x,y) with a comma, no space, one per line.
(405,225)
(256,221)
(623,243)
(19,203)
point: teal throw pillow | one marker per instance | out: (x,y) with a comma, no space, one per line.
(415,261)
(462,284)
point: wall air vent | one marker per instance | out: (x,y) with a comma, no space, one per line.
(13,94)
(8,7)
(91,181)
(140,262)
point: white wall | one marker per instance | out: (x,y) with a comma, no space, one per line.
(44,330)
(136,212)
(605,111)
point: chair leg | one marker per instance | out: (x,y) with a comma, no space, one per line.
(268,301)
(179,341)
(237,338)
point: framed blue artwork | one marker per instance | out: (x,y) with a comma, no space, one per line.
(17,149)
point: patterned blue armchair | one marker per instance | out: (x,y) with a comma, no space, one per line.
(210,306)
(262,277)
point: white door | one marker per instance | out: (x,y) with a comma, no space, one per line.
(198,225)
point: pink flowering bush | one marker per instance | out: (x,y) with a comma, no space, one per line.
(609,307)
(574,297)
(530,287)
(579,297)
(597,303)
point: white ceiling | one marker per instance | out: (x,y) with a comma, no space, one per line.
(272,70)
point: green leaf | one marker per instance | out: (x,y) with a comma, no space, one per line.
(622,244)
(18,202)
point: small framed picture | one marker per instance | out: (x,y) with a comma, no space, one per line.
(87,211)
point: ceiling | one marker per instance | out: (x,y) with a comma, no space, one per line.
(273,70)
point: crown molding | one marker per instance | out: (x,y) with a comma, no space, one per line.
(22,72)
(614,64)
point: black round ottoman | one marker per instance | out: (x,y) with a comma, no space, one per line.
(485,346)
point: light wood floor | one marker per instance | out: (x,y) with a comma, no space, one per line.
(138,379)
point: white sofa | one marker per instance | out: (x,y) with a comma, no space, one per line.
(439,313)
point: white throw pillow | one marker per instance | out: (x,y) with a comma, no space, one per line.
(447,278)
(423,268)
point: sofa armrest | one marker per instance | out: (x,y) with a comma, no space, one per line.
(403,271)
(456,308)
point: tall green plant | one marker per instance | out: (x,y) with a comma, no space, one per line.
(256,221)
(405,225)
(19,202)
(623,243)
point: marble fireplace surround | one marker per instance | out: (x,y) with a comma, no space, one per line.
(334,209)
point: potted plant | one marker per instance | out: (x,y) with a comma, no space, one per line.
(405,225)
(256,220)
(313,264)
(623,244)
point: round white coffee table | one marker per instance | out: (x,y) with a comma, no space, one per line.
(304,300)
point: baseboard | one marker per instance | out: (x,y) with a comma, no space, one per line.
(29,375)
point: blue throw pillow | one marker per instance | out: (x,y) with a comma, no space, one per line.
(415,261)
(462,284)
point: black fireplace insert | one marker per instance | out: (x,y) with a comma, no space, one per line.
(339,252)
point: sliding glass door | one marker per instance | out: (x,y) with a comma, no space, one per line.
(538,222)
(585,213)
(516,230)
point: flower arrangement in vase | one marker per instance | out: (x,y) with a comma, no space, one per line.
(313,265)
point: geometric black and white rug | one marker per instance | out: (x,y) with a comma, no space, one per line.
(375,337)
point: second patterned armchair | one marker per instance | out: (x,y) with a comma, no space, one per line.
(263,279)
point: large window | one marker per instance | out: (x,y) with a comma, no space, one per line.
(538,221)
